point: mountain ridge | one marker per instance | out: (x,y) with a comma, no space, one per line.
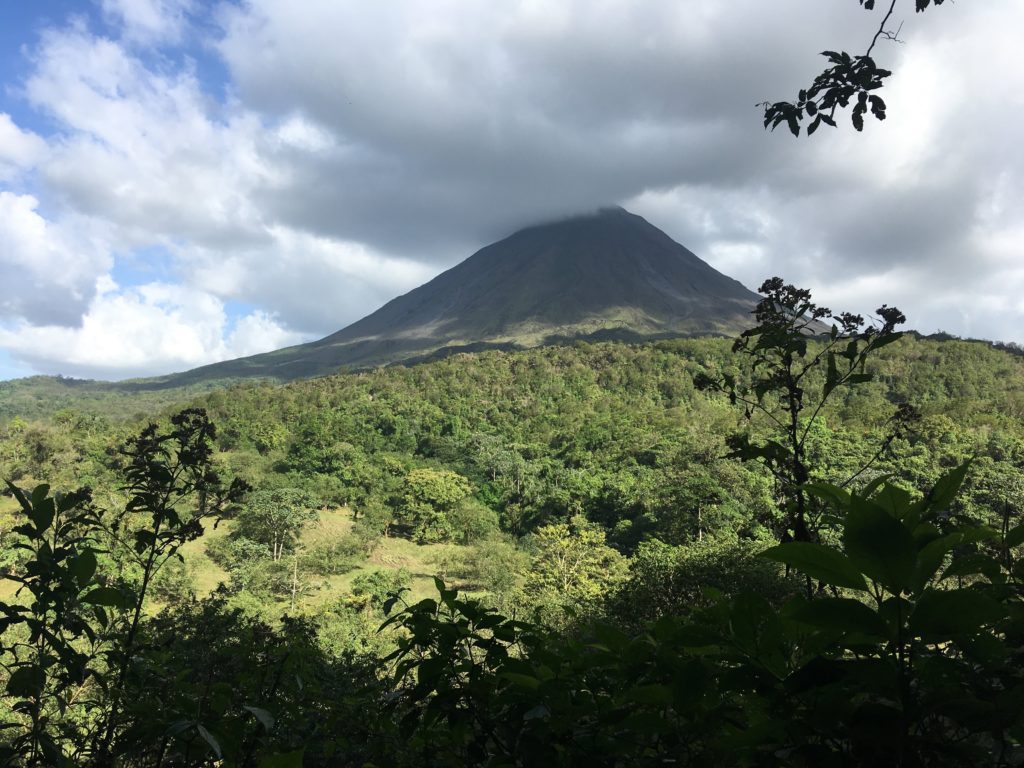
(604,272)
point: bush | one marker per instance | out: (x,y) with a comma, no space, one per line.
(230,552)
(371,589)
(472,521)
(374,520)
(331,558)
(175,582)
(666,580)
(494,565)
(345,630)
(903,652)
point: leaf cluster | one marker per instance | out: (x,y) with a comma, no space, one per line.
(848,80)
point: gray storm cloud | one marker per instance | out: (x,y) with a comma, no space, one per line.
(357,149)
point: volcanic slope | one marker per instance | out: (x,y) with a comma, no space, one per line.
(605,275)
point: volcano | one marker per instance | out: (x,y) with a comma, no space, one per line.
(604,275)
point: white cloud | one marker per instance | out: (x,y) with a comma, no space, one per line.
(320,284)
(19,150)
(144,330)
(362,146)
(149,21)
(298,132)
(147,151)
(257,332)
(48,269)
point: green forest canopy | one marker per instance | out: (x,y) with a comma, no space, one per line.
(562,485)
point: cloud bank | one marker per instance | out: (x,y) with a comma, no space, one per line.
(294,167)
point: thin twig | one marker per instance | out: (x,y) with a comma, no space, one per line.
(881,29)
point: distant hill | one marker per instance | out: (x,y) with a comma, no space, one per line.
(607,275)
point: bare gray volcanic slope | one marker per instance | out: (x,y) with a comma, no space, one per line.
(607,274)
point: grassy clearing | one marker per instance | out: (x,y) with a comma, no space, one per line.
(208,575)
(333,524)
(8,509)
(422,561)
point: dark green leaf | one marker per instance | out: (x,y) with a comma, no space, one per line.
(524,681)
(266,719)
(658,695)
(39,494)
(832,374)
(931,556)
(43,511)
(836,496)
(946,489)
(840,613)
(107,596)
(873,486)
(818,562)
(210,739)
(973,564)
(19,494)
(26,682)
(880,545)
(285,760)
(83,567)
(894,500)
(945,614)
(886,340)
(1015,537)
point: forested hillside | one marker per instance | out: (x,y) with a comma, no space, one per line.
(558,486)
(610,431)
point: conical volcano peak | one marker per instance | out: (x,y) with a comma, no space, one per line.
(593,217)
(603,274)
(605,213)
(611,211)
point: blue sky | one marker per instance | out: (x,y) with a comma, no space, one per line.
(11,369)
(184,181)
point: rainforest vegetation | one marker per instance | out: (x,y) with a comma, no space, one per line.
(781,551)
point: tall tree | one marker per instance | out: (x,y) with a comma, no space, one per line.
(276,518)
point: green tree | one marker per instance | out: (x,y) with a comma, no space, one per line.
(72,674)
(788,348)
(276,517)
(667,580)
(907,659)
(496,566)
(370,589)
(373,519)
(472,521)
(572,567)
(699,499)
(429,497)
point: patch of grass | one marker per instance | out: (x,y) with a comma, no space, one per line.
(422,561)
(208,574)
(391,554)
(332,525)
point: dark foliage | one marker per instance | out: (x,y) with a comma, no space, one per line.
(848,80)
